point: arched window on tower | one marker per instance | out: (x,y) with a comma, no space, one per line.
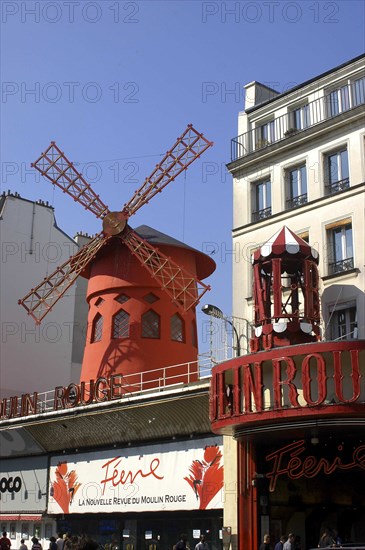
(177,328)
(121,324)
(97,329)
(150,324)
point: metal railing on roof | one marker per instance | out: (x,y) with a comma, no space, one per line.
(155,380)
(288,125)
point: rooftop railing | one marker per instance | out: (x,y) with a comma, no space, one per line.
(129,385)
(298,120)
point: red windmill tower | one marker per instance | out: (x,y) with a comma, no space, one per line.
(141,301)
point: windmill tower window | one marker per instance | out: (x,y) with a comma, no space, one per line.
(122,298)
(177,328)
(99,301)
(97,328)
(151,298)
(121,324)
(151,324)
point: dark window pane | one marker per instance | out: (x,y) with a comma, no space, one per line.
(122,298)
(121,324)
(177,328)
(97,328)
(150,325)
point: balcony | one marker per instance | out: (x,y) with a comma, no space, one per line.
(283,127)
(261,214)
(341,266)
(295,202)
(337,186)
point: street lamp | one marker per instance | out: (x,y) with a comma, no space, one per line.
(214,311)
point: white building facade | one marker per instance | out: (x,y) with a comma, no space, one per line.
(299,161)
(37,357)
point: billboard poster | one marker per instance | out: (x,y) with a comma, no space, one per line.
(184,475)
(23,484)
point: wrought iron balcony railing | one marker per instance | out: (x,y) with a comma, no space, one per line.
(261,214)
(337,186)
(294,202)
(341,266)
(284,127)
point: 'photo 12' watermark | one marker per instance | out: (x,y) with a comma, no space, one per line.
(113,172)
(68,92)
(270,12)
(29,12)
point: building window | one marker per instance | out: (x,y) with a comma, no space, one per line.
(351,94)
(358,92)
(343,323)
(300,118)
(150,324)
(304,236)
(261,200)
(177,328)
(297,187)
(337,171)
(339,101)
(99,301)
(265,134)
(341,257)
(121,324)
(97,329)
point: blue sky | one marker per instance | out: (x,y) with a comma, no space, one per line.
(114,83)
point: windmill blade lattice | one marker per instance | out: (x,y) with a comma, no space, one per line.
(41,299)
(188,147)
(182,287)
(56,167)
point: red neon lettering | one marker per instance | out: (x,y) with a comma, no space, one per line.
(355,376)
(84,398)
(122,477)
(287,461)
(59,398)
(102,394)
(321,378)
(278,383)
(29,404)
(252,385)
(115,387)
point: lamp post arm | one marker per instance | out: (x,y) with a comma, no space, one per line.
(238,343)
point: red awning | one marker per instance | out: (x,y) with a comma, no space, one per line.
(20,517)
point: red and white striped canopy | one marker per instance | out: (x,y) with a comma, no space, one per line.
(285,242)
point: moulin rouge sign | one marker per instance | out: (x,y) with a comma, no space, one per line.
(302,377)
(74,395)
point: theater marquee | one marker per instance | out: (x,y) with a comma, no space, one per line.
(309,380)
(172,476)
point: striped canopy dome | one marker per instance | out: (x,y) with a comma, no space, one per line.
(285,242)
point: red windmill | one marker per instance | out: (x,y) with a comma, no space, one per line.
(122,291)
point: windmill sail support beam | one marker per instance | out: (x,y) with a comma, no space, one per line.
(56,167)
(183,288)
(41,299)
(188,147)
